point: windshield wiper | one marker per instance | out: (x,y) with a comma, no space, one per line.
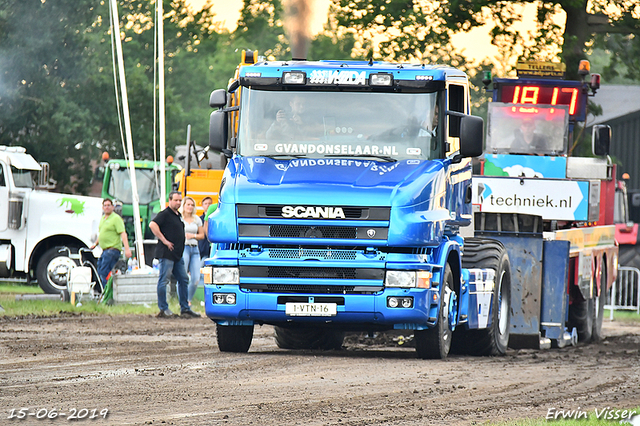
(377,157)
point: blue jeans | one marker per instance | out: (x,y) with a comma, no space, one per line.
(106,262)
(166,268)
(191,258)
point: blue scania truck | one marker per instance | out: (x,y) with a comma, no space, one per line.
(344,206)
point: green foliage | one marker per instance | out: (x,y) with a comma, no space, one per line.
(57,92)
(261,28)
(623,54)
(45,83)
(330,45)
(423,30)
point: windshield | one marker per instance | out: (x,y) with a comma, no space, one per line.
(23,178)
(527,129)
(389,126)
(147,181)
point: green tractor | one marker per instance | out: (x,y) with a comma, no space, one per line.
(116,185)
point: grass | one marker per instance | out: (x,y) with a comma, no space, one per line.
(13,307)
(623,316)
(590,420)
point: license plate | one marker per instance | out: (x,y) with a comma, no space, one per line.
(311,309)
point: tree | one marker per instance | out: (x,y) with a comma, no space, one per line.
(46,49)
(415,27)
(57,94)
(623,54)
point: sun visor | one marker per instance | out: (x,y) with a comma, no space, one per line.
(23,161)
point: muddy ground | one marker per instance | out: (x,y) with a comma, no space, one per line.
(146,370)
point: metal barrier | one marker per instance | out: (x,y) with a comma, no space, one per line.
(624,293)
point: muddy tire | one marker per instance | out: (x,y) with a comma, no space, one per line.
(488,254)
(309,338)
(435,342)
(52,270)
(234,338)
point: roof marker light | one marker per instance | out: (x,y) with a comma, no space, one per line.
(380,79)
(294,77)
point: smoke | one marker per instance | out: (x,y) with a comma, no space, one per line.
(297,24)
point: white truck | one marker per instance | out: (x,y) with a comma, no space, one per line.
(35,223)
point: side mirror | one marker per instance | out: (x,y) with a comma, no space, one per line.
(471,136)
(601,140)
(218,130)
(218,98)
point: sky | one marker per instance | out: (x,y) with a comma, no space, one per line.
(476,44)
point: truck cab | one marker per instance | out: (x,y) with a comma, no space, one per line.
(35,223)
(341,207)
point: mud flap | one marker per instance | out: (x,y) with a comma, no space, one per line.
(555,301)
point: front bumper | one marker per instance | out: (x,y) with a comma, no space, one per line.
(364,309)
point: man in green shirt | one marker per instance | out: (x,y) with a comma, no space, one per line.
(111,237)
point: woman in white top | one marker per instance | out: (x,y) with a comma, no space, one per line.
(193,232)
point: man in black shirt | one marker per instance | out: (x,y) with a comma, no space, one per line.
(169,229)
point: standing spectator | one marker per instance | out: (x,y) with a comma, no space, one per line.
(204,246)
(193,233)
(169,229)
(111,237)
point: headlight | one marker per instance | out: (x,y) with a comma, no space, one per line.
(226,276)
(405,279)
(223,298)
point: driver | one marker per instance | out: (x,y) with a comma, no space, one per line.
(526,140)
(290,125)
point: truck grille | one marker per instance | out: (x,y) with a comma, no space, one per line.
(297,231)
(312,272)
(309,232)
(312,289)
(311,253)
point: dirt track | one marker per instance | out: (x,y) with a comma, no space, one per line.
(151,371)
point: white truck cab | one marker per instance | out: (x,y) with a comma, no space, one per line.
(35,223)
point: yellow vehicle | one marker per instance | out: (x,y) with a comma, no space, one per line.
(199,184)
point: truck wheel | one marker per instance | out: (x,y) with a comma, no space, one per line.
(53,269)
(309,338)
(581,315)
(435,342)
(234,338)
(490,254)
